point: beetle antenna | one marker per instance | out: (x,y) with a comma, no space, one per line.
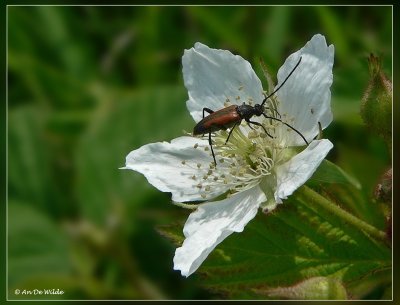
(280,86)
(290,126)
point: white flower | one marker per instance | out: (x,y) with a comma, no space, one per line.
(252,167)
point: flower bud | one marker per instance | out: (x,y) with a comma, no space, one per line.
(376,104)
(383,190)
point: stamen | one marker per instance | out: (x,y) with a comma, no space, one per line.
(243,161)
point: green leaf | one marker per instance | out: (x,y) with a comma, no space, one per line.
(376,285)
(272,42)
(367,167)
(173,232)
(37,249)
(288,246)
(38,161)
(315,288)
(137,119)
(334,30)
(29,172)
(329,172)
(215,22)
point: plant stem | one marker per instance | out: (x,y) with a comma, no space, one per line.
(314,199)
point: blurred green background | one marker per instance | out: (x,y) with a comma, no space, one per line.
(88,84)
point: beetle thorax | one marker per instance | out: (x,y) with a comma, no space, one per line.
(258,109)
(247,111)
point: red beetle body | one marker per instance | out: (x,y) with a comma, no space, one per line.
(231,116)
(221,119)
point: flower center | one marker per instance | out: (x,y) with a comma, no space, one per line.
(243,161)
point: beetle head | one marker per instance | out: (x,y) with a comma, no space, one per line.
(258,109)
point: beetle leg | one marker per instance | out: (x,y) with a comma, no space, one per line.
(230,132)
(207,110)
(259,124)
(250,125)
(291,127)
(212,150)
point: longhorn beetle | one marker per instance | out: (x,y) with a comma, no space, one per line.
(233,115)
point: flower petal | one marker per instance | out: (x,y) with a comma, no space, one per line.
(294,173)
(161,164)
(211,223)
(305,97)
(211,76)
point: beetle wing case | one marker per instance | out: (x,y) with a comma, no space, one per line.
(221,119)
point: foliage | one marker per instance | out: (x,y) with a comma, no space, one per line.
(88,84)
